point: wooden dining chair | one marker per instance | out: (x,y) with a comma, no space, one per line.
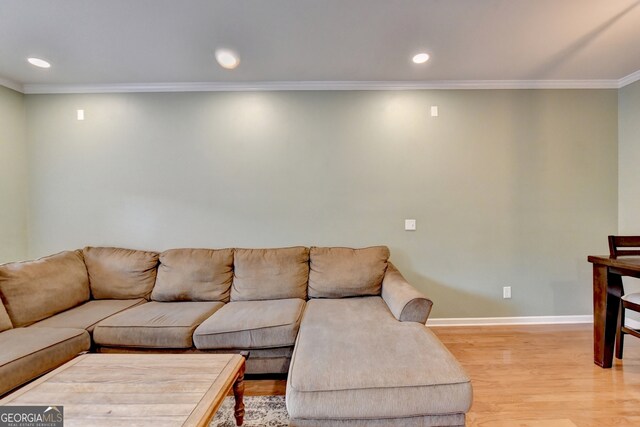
(625,246)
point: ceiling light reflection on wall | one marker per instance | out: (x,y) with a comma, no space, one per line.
(38,62)
(227,58)
(420,58)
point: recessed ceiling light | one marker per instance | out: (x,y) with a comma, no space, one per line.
(38,62)
(227,58)
(420,58)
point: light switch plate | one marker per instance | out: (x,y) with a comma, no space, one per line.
(410,224)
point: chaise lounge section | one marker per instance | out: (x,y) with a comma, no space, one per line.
(363,355)
(355,364)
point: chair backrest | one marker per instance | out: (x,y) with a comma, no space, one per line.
(616,242)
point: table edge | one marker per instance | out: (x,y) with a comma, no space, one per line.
(214,396)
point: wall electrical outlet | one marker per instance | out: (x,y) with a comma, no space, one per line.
(506,292)
(410,224)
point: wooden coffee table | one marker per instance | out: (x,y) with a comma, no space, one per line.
(139,389)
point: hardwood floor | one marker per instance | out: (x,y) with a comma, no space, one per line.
(538,376)
(264,387)
(535,376)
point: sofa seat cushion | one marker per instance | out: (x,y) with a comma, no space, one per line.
(354,360)
(35,290)
(116,273)
(346,272)
(154,325)
(267,274)
(88,314)
(30,352)
(251,324)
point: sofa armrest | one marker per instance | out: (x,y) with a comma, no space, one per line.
(405,302)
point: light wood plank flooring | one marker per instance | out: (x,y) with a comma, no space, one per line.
(535,376)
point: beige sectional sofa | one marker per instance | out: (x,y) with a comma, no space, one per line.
(343,323)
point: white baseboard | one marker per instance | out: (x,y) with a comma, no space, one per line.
(524,320)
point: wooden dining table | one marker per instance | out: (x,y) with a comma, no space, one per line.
(607,290)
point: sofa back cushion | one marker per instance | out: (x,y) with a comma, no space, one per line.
(261,274)
(35,290)
(194,275)
(116,273)
(346,272)
(5,322)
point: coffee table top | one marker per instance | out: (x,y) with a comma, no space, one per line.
(135,389)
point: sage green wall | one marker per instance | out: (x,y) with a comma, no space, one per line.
(13,176)
(509,187)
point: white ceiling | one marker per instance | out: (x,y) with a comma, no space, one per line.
(172,41)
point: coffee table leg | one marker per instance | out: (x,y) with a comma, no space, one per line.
(238,393)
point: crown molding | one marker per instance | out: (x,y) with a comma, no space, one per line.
(319,85)
(627,80)
(11,85)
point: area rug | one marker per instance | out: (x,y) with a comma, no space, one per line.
(260,411)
